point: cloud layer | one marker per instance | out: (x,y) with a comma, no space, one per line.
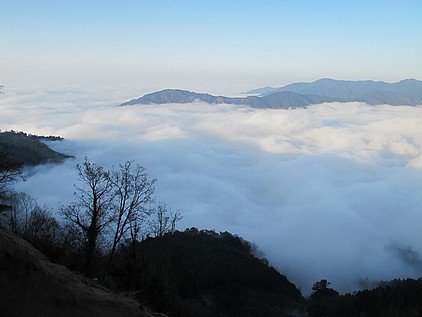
(333,191)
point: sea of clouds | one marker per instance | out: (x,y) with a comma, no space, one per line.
(332,191)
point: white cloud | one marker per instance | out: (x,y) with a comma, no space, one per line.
(324,192)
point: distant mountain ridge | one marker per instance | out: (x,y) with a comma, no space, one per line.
(300,95)
(180,96)
(404,92)
(279,100)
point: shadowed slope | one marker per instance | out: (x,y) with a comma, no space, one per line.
(203,273)
(29,149)
(33,286)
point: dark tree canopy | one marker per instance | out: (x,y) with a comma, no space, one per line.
(29,149)
(204,273)
(390,299)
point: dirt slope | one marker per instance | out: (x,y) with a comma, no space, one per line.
(30,285)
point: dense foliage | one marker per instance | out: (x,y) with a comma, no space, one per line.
(394,298)
(203,273)
(30,149)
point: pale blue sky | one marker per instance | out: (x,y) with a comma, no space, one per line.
(214,45)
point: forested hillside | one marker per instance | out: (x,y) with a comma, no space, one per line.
(204,273)
(30,149)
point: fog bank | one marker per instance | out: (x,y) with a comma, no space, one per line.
(332,191)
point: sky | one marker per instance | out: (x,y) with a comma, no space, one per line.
(214,46)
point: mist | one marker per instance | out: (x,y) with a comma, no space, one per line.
(332,191)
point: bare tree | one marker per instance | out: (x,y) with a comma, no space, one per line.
(138,230)
(164,220)
(133,191)
(10,169)
(91,211)
(34,223)
(42,227)
(21,208)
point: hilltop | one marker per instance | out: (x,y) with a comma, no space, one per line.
(30,149)
(204,273)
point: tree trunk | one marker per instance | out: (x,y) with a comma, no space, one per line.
(110,259)
(91,246)
(133,249)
